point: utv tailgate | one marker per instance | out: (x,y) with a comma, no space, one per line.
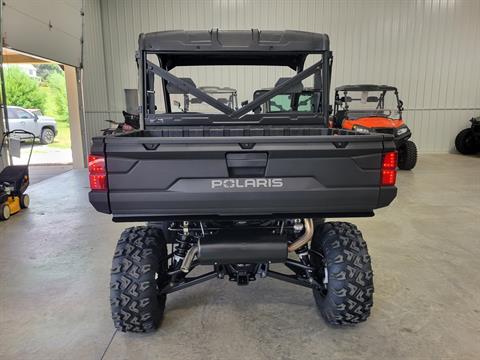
(164,177)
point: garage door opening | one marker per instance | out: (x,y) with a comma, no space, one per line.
(37,102)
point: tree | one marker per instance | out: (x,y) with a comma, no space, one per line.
(56,84)
(22,90)
(44,70)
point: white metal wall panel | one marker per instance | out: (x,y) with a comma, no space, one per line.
(430,49)
(94,79)
(51,28)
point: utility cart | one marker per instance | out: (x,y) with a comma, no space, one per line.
(232,191)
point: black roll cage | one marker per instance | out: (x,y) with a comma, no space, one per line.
(320,69)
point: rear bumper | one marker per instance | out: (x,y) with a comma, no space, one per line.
(149,206)
(99,200)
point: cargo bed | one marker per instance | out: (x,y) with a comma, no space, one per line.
(323,173)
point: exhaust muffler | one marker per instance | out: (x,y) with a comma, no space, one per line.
(243,246)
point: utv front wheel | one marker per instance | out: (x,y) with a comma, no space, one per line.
(139,271)
(343,269)
(407,156)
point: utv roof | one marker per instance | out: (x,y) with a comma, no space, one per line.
(233,47)
(366,87)
(252,40)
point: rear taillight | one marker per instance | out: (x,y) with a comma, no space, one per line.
(97,172)
(389,169)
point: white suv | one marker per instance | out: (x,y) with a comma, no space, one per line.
(43,127)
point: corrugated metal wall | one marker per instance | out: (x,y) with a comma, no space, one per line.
(429,49)
(95,97)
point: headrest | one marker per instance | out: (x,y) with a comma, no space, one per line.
(172,89)
(297,88)
(195,100)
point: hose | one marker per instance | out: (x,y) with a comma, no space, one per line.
(305,238)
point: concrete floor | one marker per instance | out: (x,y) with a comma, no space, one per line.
(43,172)
(54,272)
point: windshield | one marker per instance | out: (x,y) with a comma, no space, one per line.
(300,102)
(232,91)
(243,82)
(181,102)
(36,112)
(369,103)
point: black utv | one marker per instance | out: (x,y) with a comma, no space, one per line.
(467,141)
(234,190)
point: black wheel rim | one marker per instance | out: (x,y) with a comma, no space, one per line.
(469,141)
(317,259)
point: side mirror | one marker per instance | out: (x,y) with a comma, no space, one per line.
(243,103)
(35,117)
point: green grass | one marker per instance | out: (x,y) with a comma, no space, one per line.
(62,140)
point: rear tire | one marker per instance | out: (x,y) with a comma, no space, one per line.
(343,257)
(4,212)
(465,142)
(47,136)
(407,156)
(139,271)
(24,201)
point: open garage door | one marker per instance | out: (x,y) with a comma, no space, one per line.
(49,29)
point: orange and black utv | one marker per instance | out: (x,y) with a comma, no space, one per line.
(375,108)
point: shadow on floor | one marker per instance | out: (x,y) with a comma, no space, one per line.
(43,172)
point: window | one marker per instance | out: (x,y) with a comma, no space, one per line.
(370,103)
(12,114)
(231,85)
(22,114)
(285,102)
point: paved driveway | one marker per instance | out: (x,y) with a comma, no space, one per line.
(44,154)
